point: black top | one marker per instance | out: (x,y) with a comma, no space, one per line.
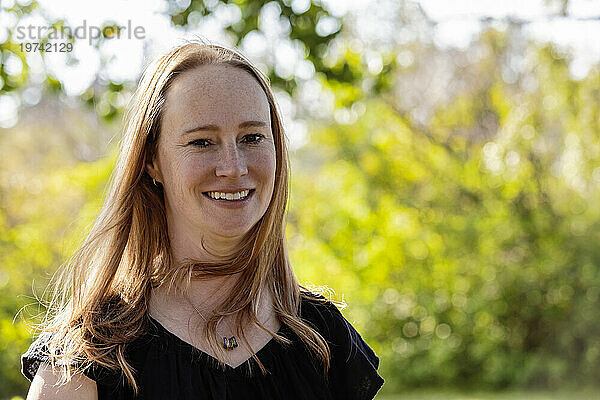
(169,368)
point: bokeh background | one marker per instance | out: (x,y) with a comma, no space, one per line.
(445,171)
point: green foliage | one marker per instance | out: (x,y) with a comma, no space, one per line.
(45,208)
(468,256)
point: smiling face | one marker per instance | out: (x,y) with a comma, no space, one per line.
(215,136)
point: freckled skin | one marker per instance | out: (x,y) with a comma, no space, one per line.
(224,96)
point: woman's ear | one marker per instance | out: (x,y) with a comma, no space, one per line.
(153,170)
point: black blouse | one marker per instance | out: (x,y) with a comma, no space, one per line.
(169,368)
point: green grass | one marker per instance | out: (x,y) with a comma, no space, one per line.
(513,395)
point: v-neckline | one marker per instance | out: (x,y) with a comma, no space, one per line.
(210,357)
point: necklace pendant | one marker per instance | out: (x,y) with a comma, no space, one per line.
(229,344)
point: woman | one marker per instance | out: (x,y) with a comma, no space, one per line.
(183,288)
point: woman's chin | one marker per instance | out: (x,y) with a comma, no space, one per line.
(234,232)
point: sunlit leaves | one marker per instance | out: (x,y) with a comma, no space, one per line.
(473,238)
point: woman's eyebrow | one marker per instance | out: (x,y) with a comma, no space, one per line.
(212,127)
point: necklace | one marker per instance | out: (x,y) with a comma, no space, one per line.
(228,343)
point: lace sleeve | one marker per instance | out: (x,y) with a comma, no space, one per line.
(35,355)
(38,353)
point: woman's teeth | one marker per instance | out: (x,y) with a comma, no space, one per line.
(229,196)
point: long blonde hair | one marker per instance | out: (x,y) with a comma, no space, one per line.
(101,298)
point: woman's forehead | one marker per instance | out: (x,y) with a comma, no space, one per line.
(215,91)
(215,81)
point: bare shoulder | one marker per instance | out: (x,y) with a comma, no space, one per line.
(44,386)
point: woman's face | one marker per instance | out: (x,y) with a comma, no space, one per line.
(215,138)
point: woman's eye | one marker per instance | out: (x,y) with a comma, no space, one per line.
(258,136)
(200,143)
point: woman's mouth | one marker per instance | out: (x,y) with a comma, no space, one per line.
(232,202)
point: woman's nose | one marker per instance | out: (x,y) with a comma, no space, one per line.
(232,161)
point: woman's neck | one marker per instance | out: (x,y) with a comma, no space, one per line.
(199,295)
(202,247)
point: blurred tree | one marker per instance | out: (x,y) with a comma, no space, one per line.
(465,243)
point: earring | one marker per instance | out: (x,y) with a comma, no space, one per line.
(154,181)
